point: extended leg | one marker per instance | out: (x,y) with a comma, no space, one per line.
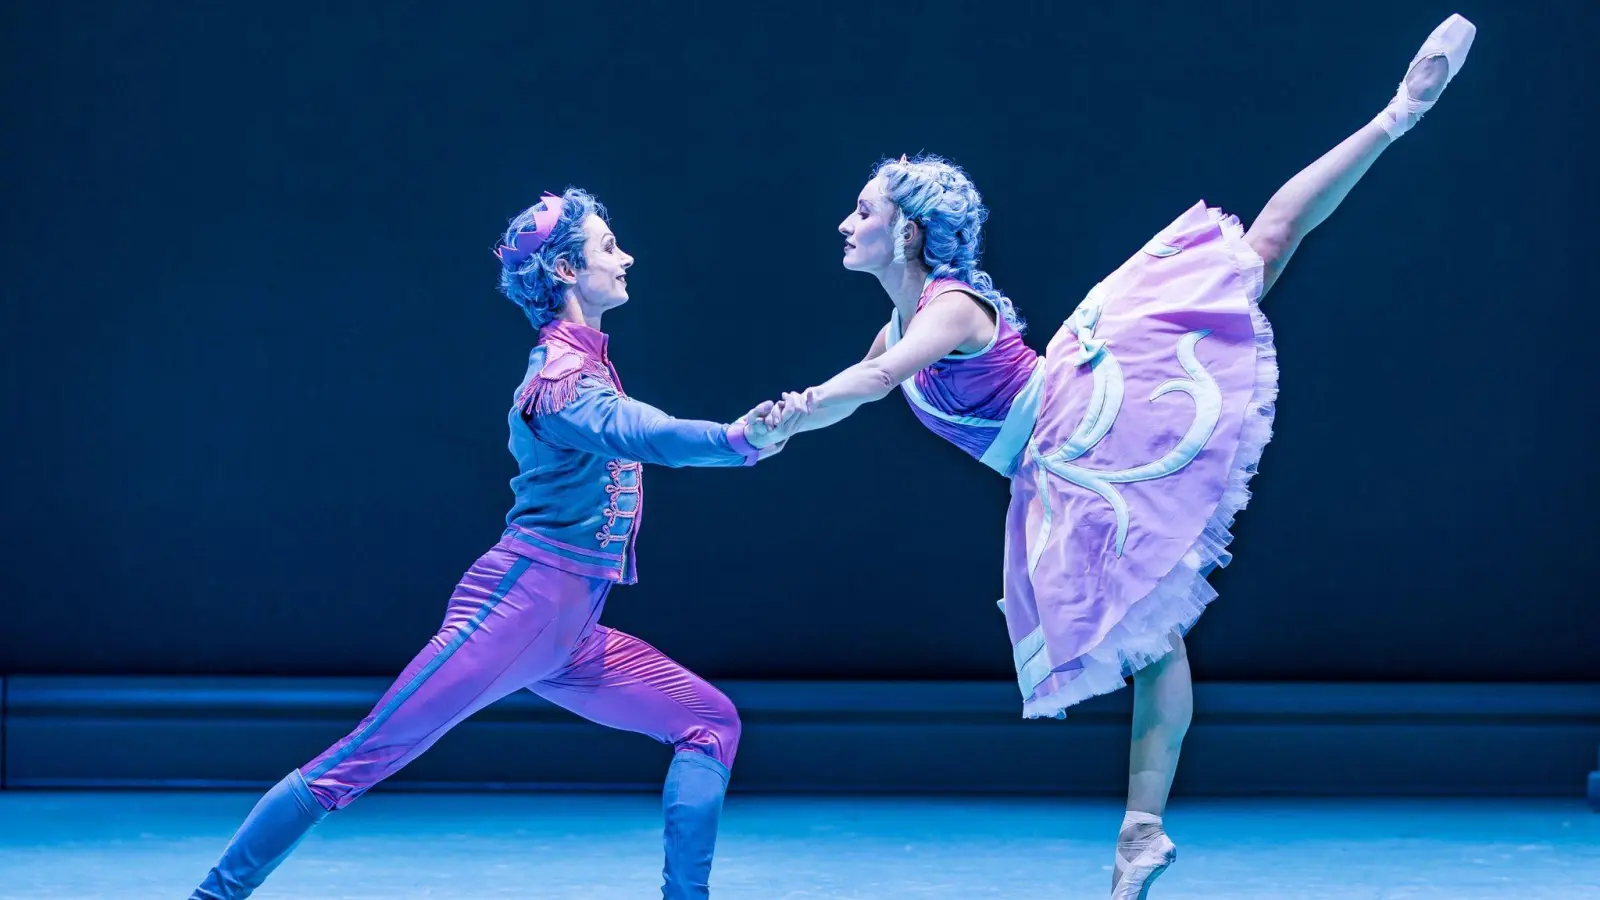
(1307,199)
(501,630)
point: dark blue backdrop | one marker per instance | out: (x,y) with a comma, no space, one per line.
(256,372)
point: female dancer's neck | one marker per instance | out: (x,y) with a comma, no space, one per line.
(903,282)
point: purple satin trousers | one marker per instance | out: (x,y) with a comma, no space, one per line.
(513,623)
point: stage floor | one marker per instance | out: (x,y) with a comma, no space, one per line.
(392,845)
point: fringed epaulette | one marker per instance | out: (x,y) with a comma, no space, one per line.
(555,385)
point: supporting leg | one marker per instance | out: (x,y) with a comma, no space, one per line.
(620,681)
(691,806)
(1163,707)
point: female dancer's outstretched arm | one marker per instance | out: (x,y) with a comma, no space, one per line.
(948,321)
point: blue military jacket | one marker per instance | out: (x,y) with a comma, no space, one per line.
(580,443)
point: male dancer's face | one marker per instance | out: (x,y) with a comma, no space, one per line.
(603,283)
(869,230)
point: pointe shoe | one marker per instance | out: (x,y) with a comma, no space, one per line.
(1140,863)
(1451,40)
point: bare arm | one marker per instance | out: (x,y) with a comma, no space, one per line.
(947,322)
(824,418)
(879,344)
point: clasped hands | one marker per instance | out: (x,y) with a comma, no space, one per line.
(771,423)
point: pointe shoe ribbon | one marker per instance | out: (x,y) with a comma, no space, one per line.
(1139,863)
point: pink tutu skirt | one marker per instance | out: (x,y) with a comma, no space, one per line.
(1157,402)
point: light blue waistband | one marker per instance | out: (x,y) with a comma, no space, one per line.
(1006,449)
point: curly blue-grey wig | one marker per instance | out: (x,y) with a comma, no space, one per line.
(937,195)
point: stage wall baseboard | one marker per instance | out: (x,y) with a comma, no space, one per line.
(946,737)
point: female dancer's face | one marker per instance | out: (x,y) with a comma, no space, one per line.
(869,230)
(603,283)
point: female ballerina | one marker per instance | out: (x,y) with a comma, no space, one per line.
(1122,492)
(526,614)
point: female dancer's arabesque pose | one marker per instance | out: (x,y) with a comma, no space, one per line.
(1128,445)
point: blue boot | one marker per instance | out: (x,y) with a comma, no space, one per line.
(692,802)
(267,837)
